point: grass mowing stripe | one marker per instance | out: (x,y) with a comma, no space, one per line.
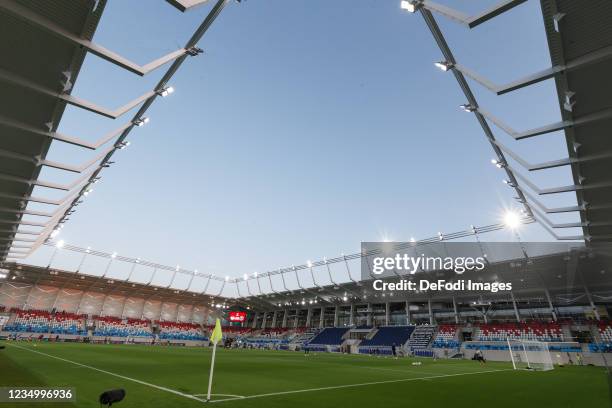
(335,387)
(110,373)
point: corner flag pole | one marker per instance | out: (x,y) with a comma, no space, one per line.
(214,337)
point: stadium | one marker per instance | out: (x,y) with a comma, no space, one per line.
(277,131)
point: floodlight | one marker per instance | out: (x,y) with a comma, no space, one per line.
(512,219)
(467,107)
(499,164)
(113,255)
(444,65)
(309,263)
(166,91)
(55,233)
(344,298)
(245,276)
(411,6)
(141,122)
(226,278)
(60,244)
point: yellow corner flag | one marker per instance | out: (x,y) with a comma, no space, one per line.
(217,334)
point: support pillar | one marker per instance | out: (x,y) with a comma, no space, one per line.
(274,317)
(255,320)
(369,315)
(264,319)
(455,311)
(352,316)
(322,321)
(590,299)
(387,313)
(285,313)
(431,317)
(408,318)
(297,318)
(516,312)
(550,305)
(308,317)
(336,314)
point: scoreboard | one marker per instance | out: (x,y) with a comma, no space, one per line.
(237,317)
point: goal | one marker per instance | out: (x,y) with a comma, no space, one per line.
(530,355)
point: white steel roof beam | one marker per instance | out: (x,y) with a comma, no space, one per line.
(39,21)
(464,19)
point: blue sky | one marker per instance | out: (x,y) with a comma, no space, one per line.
(305,128)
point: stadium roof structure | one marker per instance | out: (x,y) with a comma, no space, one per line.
(580,44)
(566,276)
(40,64)
(41,276)
(577,271)
(28,119)
(34,94)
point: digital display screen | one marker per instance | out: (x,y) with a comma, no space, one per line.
(237,317)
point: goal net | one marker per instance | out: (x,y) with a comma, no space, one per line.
(530,355)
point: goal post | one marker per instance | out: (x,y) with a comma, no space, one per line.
(529,355)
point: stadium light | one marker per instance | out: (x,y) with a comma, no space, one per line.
(467,107)
(245,276)
(498,163)
(141,122)
(166,91)
(411,6)
(309,263)
(113,255)
(55,233)
(444,65)
(60,244)
(88,191)
(344,298)
(512,219)
(508,182)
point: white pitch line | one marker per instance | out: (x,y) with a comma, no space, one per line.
(220,395)
(335,387)
(113,374)
(399,371)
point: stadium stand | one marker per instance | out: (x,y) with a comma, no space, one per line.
(302,338)
(421,337)
(115,327)
(40,321)
(180,331)
(331,336)
(520,331)
(389,335)
(605,332)
(446,337)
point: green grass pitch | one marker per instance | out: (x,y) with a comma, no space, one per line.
(177,377)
